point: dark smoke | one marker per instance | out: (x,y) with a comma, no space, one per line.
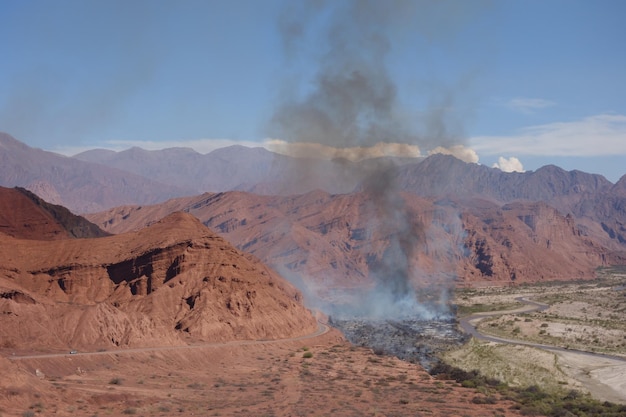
(353,102)
(354,99)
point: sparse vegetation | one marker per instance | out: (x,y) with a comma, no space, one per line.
(532,400)
(346,380)
(467,309)
(581,316)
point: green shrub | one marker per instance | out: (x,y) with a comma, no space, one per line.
(468,383)
(307,355)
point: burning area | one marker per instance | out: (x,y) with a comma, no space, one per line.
(350,105)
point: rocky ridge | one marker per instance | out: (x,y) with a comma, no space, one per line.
(171,283)
(24,215)
(80,186)
(329,242)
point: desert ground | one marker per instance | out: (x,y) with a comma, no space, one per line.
(318,376)
(582,317)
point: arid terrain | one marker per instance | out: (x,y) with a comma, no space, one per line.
(209,304)
(582,317)
(320,376)
(172,319)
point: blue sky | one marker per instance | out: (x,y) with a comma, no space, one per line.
(518,83)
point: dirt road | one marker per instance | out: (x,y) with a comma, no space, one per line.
(603,375)
(321,329)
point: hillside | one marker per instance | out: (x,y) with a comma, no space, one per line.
(598,207)
(24,215)
(100,179)
(331,243)
(80,186)
(446,175)
(171,283)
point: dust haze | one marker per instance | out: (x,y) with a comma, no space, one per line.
(351,101)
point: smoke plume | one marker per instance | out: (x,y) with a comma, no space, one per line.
(351,104)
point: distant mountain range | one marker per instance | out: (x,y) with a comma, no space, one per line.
(80,186)
(330,225)
(100,179)
(331,245)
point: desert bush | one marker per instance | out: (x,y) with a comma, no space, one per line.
(116,381)
(490,399)
(531,400)
(307,355)
(468,383)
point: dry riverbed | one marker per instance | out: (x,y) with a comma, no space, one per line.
(587,316)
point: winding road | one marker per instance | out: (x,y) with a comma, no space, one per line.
(469,325)
(602,374)
(321,329)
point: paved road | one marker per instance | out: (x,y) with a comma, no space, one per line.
(468,325)
(321,329)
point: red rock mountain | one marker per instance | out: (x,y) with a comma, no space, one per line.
(309,236)
(24,215)
(598,207)
(170,283)
(99,179)
(331,242)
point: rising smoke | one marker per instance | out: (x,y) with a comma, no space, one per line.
(352,102)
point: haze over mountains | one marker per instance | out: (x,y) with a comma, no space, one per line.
(331,244)
(323,223)
(77,185)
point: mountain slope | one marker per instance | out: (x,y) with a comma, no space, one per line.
(329,243)
(599,207)
(240,168)
(78,185)
(170,283)
(441,175)
(23,215)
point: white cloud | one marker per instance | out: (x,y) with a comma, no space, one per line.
(529,105)
(511,164)
(599,135)
(459,151)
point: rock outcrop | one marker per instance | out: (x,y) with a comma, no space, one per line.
(26,216)
(170,283)
(326,243)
